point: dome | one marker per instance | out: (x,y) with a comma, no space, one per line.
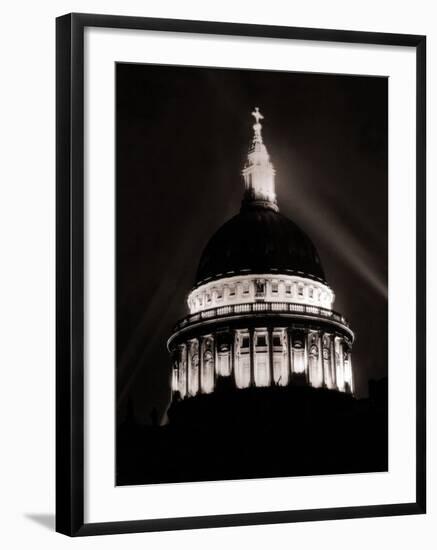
(259,240)
(260,313)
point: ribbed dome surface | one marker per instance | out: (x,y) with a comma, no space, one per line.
(259,240)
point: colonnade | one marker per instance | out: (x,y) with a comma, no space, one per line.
(262,357)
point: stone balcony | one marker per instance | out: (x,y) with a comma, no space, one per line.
(268,309)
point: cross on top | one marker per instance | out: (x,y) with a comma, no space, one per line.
(257,115)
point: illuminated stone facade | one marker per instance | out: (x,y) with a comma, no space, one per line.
(261,310)
(249,289)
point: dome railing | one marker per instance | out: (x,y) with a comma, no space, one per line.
(261,307)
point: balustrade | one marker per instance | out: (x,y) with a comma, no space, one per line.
(261,307)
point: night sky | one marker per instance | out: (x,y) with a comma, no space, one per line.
(182,137)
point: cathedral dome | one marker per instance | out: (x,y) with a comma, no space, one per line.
(259,240)
(260,313)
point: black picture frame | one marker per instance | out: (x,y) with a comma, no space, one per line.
(70,273)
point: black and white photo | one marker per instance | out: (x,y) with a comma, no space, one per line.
(252,220)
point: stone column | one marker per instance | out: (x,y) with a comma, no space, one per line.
(308,345)
(175,376)
(234,336)
(232,353)
(338,365)
(305,355)
(252,353)
(200,341)
(214,355)
(320,358)
(351,381)
(290,354)
(333,362)
(187,368)
(270,341)
(341,367)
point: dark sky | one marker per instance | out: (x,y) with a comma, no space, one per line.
(182,137)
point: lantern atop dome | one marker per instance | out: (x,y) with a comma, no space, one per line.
(258,172)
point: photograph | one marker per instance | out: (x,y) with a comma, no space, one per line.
(251,307)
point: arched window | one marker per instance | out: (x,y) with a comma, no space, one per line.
(260,288)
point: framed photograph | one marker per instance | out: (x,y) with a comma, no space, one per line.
(240,274)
